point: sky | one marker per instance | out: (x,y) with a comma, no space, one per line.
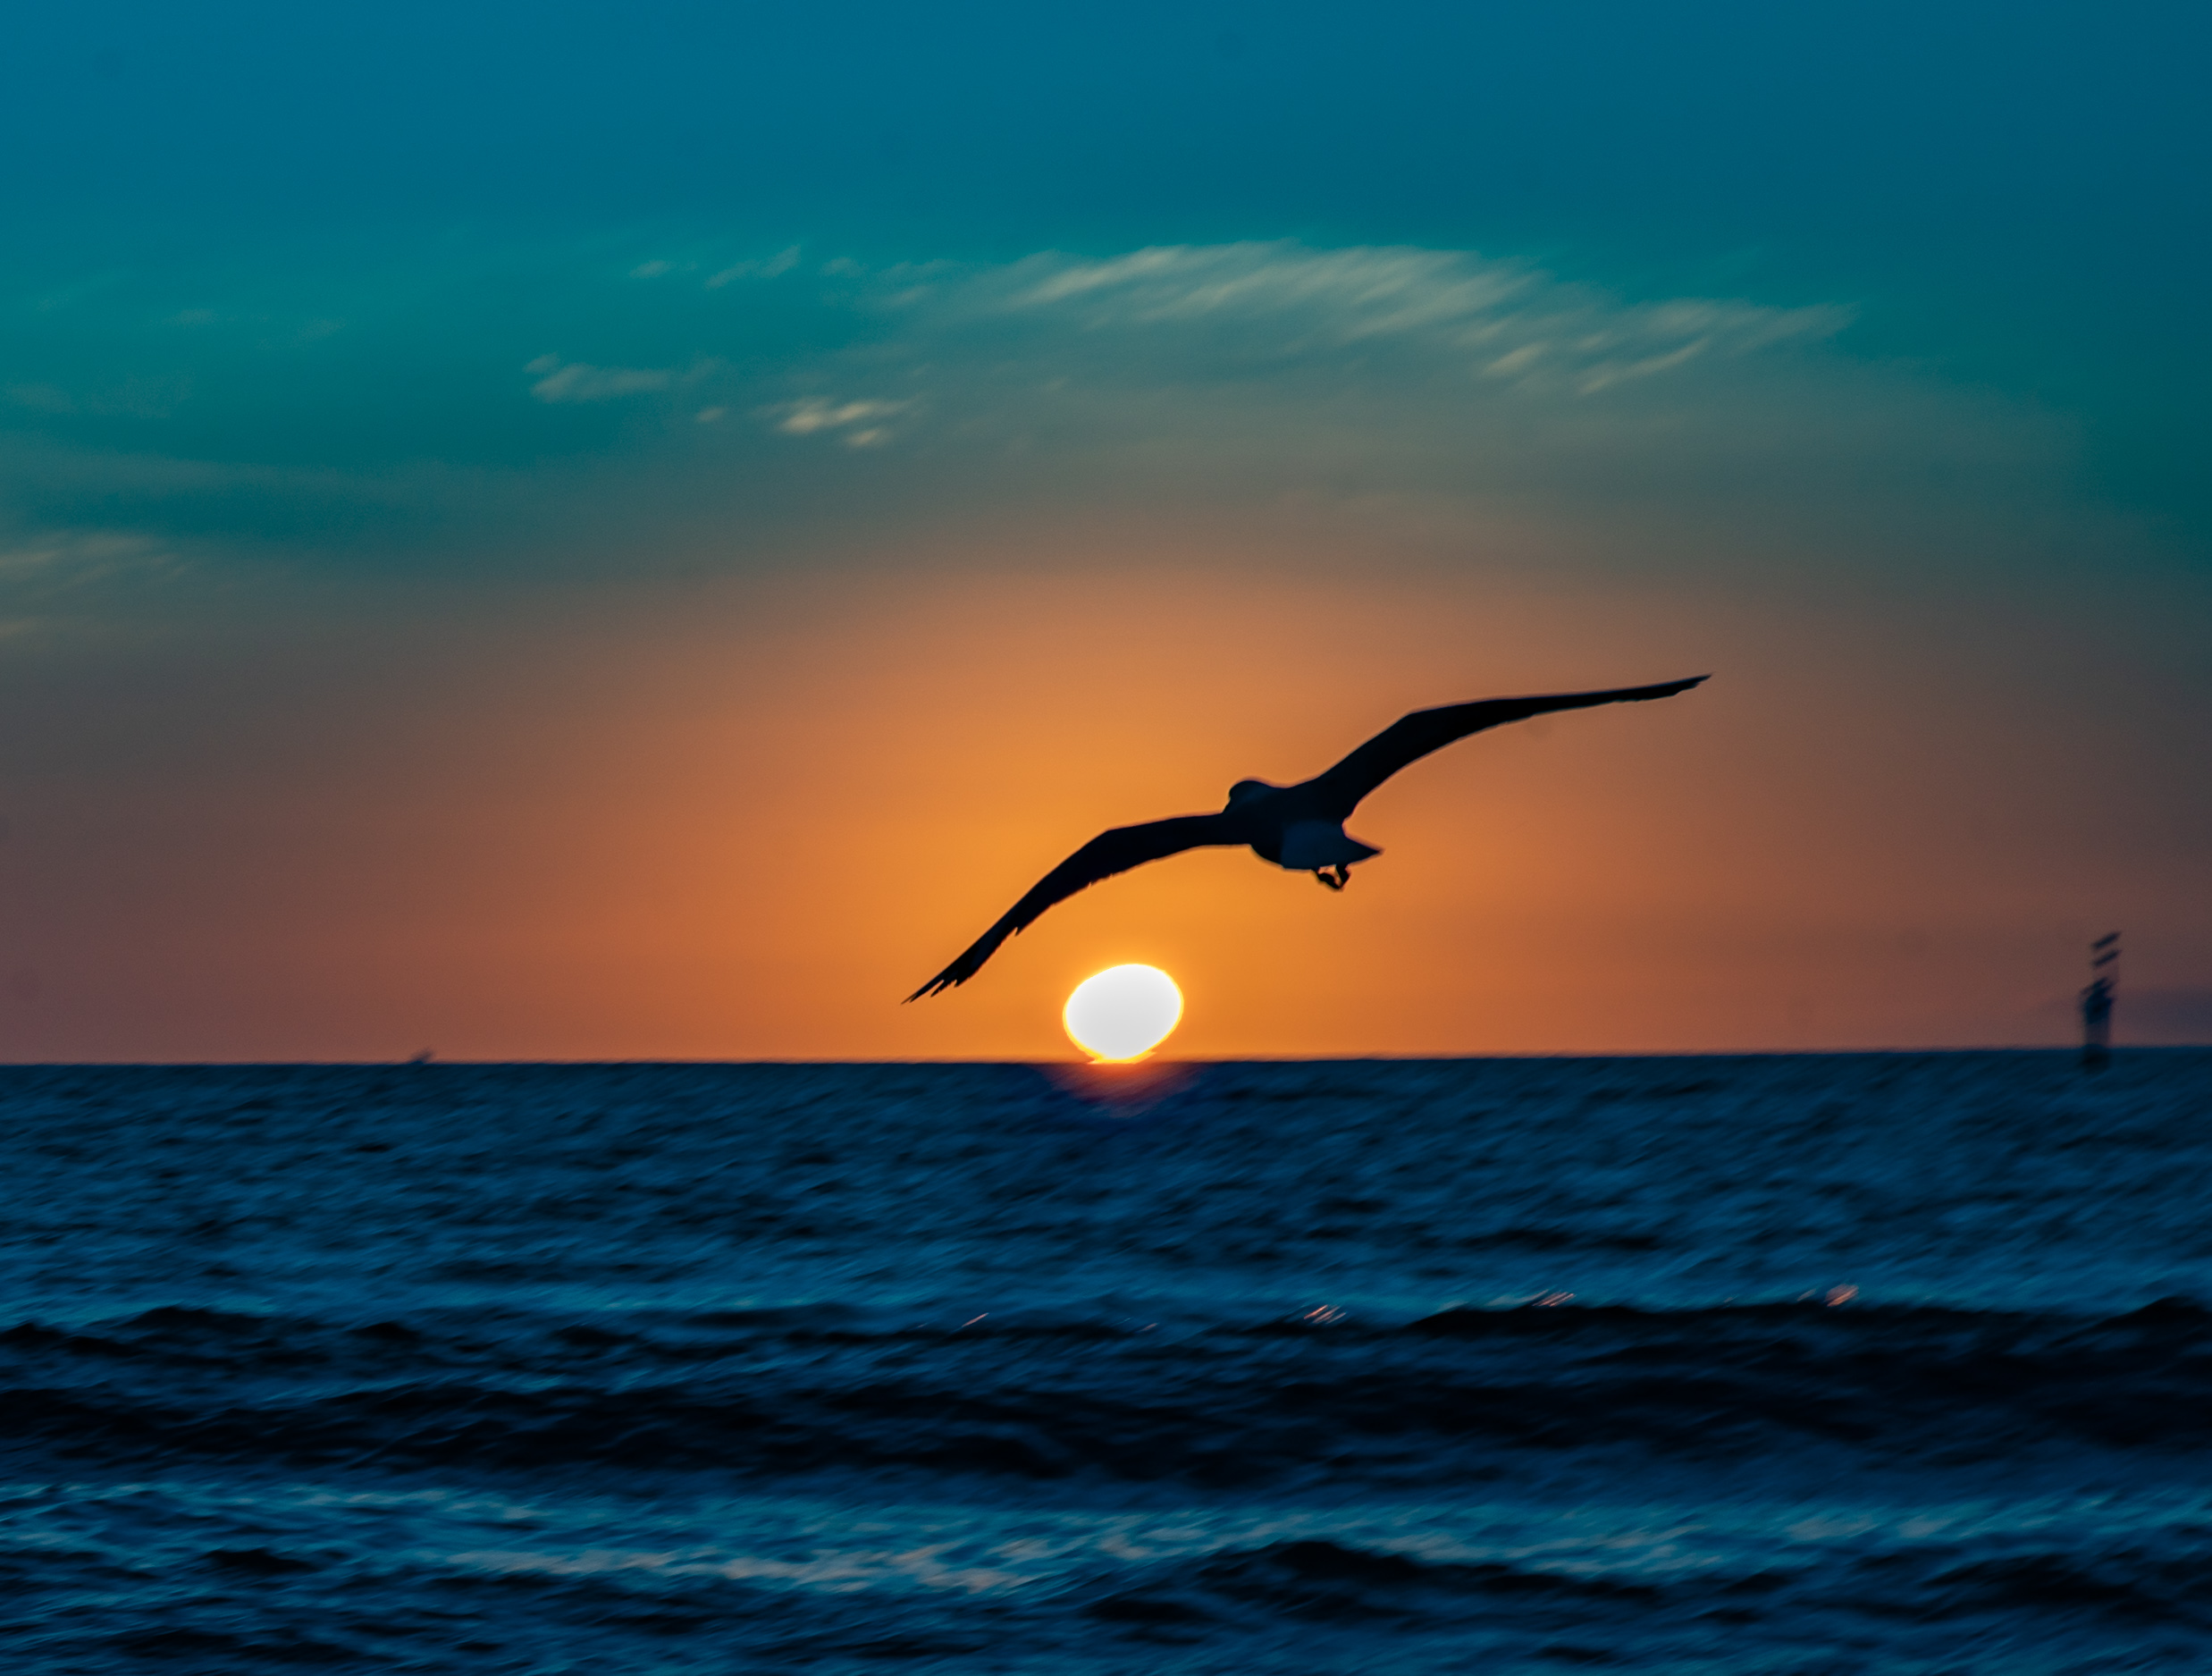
(578,532)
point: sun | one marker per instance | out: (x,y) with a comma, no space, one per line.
(1123,1013)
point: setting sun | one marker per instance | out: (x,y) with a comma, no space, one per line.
(1123,1013)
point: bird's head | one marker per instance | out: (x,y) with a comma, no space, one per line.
(1245,788)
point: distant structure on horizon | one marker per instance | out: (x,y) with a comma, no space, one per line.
(2096,1002)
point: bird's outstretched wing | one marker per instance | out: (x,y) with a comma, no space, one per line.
(1110,853)
(1339,789)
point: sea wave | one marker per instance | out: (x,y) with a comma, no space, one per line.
(1826,1363)
(1439,1397)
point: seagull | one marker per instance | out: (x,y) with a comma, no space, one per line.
(1300,827)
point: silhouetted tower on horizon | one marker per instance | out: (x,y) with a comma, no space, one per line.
(2096,1002)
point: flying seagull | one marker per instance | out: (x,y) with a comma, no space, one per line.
(1300,828)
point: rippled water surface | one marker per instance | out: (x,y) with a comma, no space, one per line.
(1861,1363)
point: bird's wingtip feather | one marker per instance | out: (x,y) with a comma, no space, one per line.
(943,980)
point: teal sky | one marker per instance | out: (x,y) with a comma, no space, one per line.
(351,366)
(222,214)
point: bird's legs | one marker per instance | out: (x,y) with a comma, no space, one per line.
(1336,878)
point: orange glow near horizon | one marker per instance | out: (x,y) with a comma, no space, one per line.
(741,822)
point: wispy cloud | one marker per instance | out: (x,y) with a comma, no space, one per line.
(768,268)
(133,398)
(60,557)
(1211,371)
(579,381)
(1187,351)
(1349,293)
(51,576)
(859,423)
(1504,319)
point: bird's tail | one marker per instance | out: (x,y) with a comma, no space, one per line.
(1309,844)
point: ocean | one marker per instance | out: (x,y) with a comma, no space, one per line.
(1869,1362)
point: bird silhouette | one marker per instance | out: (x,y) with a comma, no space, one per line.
(1298,828)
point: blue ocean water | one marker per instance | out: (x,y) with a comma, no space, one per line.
(1811,1364)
